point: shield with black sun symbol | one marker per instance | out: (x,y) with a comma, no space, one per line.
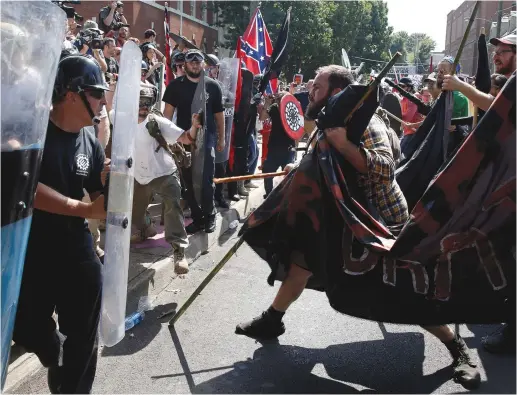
(292,116)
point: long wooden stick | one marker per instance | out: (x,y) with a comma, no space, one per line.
(249,177)
(205,282)
(393,116)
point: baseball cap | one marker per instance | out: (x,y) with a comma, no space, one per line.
(89,24)
(510,39)
(406,81)
(431,77)
(149,33)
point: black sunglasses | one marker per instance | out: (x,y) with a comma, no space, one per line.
(194,57)
(96,94)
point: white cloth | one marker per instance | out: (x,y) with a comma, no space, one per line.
(151,164)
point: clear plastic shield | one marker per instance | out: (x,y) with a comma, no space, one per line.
(198,153)
(118,223)
(31,34)
(228,75)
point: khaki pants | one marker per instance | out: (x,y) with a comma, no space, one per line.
(168,187)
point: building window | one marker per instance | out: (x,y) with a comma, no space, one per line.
(193,8)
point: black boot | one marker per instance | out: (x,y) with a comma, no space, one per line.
(502,341)
(465,371)
(264,327)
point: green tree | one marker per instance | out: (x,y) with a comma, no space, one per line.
(318,31)
(234,17)
(398,43)
(423,45)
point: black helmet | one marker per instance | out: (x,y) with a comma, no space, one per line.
(406,81)
(77,73)
(145,66)
(178,57)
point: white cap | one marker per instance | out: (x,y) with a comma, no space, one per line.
(510,39)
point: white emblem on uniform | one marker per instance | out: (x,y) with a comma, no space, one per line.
(83,163)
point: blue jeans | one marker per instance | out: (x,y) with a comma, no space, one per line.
(274,160)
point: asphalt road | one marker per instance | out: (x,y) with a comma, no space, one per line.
(322,351)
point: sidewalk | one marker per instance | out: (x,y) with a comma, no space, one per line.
(151,270)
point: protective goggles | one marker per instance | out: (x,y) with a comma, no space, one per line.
(146,102)
(194,57)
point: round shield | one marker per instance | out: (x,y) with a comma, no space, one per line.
(292,116)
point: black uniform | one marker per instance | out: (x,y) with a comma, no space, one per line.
(179,94)
(62,271)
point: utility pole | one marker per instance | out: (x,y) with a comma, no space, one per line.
(499,17)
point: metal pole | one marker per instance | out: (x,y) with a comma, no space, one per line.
(499,17)
(181,17)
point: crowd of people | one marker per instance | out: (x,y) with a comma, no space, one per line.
(70,191)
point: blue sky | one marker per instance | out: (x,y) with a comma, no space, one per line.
(421,16)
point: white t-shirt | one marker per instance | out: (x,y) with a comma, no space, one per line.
(148,163)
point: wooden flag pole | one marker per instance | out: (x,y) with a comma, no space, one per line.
(249,177)
(476,108)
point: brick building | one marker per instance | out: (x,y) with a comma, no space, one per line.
(192,19)
(486,17)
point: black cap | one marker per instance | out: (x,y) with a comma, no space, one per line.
(406,81)
(178,57)
(149,33)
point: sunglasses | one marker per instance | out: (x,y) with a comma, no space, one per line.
(502,51)
(96,94)
(194,57)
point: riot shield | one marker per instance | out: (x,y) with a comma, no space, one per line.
(198,153)
(120,201)
(291,115)
(25,27)
(228,75)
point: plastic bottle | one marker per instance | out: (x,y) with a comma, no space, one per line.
(134,319)
(234,224)
(144,304)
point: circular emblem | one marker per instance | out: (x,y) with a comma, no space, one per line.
(82,162)
(292,116)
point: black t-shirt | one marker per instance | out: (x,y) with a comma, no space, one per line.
(180,93)
(105,11)
(278,139)
(71,162)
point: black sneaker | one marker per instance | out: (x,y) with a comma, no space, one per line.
(263,327)
(194,227)
(235,198)
(210,224)
(501,342)
(465,370)
(222,203)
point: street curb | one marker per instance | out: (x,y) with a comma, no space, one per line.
(155,277)
(200,243)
